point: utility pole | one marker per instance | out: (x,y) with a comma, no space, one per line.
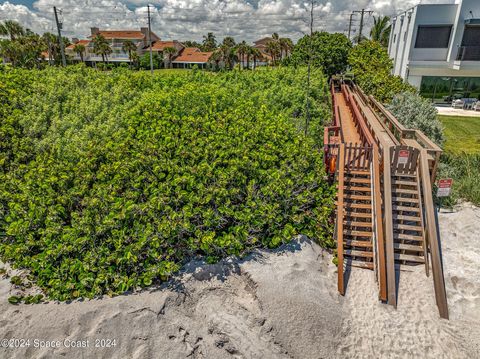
(350,24)
(362,12)
(60,40)
(307,98)
(150,40)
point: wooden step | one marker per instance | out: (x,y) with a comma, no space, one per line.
(405,208)
(358,214)
(358,180)
(349,232)
(357,189)
(355,243)
(404,183)
(409,258)
(357,173)
(408,237)
(407,227)
(404,175)
(400,217)
(405,200)
(357,205)
(357,224)
(357,197)
(356,253)
(359,264)
(408,247)
(405,191)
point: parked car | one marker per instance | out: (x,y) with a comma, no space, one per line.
(476,106)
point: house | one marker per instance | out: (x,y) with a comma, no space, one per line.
(116,39)
(261,45)
(192,56)
(436,48)
(160,46)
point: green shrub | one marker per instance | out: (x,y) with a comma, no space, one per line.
(464,169)
(109,181)
(371,65)
(416,112)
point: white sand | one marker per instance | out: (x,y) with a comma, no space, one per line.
(280,304)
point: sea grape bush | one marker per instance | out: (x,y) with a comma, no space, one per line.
(109,181)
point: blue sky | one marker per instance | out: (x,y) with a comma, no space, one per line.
(191,19)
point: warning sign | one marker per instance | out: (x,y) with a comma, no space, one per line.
(444,187)
(403,156)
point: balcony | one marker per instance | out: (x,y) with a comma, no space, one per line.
(468,53)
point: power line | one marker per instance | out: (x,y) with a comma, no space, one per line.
(60,39)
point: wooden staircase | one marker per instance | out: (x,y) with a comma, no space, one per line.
(408,226)
(357,199)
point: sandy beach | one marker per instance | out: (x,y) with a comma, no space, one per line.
(271,304)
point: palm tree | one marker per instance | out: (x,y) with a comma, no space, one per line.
(381,30)
(101,47)
(79,49)
(216,58)
(12,29)
(286,46)
(209,42)
(169,51)
(256,55)
(228,53)
(273,49)
(242,49)
(129,47)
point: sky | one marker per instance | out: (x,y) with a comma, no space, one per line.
(191,19)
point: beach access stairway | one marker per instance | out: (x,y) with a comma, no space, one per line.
(385,216)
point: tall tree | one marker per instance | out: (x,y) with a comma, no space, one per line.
(256,55)
(286,46)
(101,47)
(242,49)
(228,51)
(79,49)
(129,47)
(381,30)
(216,58)
(209,42)
(273,49)
(12,29)
(169,52)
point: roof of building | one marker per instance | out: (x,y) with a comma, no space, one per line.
(121,34)
(263,41)
(81,42)
(161,45)
(193,55)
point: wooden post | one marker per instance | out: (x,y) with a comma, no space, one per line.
(340,215)
(433,240)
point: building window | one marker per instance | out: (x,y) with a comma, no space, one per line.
(446,89)
(433,37)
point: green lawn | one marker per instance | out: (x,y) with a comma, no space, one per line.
(462,134)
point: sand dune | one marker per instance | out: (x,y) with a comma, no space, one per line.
(280,304)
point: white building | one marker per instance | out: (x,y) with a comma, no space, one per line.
(436,48)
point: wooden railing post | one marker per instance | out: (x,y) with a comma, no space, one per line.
(388,224)
(433,239)
(340,215)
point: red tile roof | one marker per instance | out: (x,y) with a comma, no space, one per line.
(81,42)
(121,34)
(161,45)
(193,55)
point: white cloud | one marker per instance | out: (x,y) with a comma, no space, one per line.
(190,19)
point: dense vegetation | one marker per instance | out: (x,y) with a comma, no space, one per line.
(327,51)
(371,65)
(110,180)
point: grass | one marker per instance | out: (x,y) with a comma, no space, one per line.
(462,134)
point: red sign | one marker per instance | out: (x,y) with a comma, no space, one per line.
(403,156)
(444,187)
